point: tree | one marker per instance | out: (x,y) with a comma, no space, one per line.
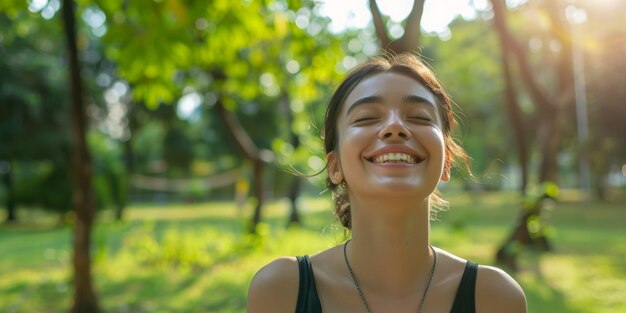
(514,112)
(548,111)
(257,157)
(473,82)
(601,41)
(85,299)
(409,42)
(607,112)
(222,51)
(32,113)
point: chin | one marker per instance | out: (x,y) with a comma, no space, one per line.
(398,189)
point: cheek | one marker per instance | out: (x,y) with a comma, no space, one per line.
(348,151)
(352,142)
(436,142)
(353,139)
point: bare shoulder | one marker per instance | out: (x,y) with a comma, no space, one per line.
(497,291)
(274,287)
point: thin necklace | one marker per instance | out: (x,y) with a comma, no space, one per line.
(358,287)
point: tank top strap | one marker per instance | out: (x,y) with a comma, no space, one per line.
(464,302)
(308,300)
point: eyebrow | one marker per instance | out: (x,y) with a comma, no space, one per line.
(377,99)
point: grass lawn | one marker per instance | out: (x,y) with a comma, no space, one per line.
(197,258)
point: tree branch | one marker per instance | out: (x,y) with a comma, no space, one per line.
(538,96)
(240,136)
(410,39)
(381,30)
(565,71)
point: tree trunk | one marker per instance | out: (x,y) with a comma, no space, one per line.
(565,91)
(515,116)
(409,42)
(85,300)
(119,195)
(548,111)
(257,170)
(294,191)
(129,158)
(7,179)
(129,166)
(548,134)
(514,112)
(255,156)
(294,188)
(521,236)
(601,186)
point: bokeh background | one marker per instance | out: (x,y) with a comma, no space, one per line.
(155,153)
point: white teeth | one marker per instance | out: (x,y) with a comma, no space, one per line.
(394,158)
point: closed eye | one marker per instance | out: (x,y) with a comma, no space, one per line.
(363,119)
(421,118)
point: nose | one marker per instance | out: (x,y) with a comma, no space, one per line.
(394,128)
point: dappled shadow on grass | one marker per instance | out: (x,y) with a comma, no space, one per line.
(14,296)
(316,222)
(145,292)
(111,236)
(573,282)
(541,295)
(170,289)
(35,219)
(225,297)
(27,295)
(36,247)
(543,298)
(588,238)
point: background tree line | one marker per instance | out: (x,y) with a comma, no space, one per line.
(175,93)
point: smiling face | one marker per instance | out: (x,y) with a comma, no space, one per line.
(386,128)
(390,138)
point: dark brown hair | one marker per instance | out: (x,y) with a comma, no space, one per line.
(405,64)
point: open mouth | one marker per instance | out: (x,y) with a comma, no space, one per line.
(396,158)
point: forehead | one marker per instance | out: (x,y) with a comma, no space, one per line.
(391,87)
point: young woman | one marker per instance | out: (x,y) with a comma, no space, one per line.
(388,145)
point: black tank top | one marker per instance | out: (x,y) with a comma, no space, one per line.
(309,302)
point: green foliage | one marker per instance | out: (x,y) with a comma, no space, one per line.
(271,65)
(539,193)
(32,92)
(33,99)
(42,184)
(13,8)
(184,250)
(279,75)
(178,150)
(178,249)
(468,64)
(110,179)
(34,121)
(46,184)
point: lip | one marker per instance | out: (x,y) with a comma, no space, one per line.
(394,149)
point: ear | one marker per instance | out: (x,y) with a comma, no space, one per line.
(334,168)
(445,175)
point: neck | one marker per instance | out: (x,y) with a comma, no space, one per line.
(389,250)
